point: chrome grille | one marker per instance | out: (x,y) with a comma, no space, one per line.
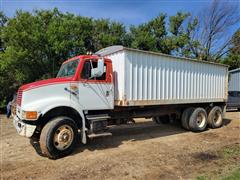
(19,97)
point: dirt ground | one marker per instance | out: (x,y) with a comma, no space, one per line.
(141,151)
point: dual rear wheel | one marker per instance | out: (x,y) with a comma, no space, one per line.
(197,119)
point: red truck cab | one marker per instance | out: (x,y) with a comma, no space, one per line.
(83,83)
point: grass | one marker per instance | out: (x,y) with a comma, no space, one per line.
(201,178)
(228,152)
(234,175)
(225,154)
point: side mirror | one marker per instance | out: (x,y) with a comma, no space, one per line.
(99,70)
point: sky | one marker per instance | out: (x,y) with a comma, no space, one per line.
(126,11)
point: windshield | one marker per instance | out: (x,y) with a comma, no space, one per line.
(68,69)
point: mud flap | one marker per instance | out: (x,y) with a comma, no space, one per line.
(83,136)
(83,130)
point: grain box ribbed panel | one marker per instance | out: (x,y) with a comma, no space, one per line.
(149,79)
(118,73)
(234,80)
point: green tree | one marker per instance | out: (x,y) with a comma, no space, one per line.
(3,21)
(35,44)
(181,27)
(106,33)
(155,35)
(150,36)
(233,57)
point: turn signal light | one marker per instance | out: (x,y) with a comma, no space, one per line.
(31,115)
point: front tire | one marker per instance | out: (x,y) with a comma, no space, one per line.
(58,137)
(198,120)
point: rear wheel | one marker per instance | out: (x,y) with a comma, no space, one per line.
(215,117)
(58,137)
(198,120)
(185,117)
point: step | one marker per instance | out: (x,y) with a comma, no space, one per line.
(103,134)
(97,117)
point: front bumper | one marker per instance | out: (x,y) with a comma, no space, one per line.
(22,128)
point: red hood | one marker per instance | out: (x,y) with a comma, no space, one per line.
(44,83)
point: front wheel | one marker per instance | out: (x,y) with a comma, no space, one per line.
(58,137)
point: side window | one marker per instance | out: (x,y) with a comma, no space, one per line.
(87,70)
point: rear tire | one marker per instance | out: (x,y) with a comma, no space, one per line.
(185,117)
(215,117)
(58,137)
(198,120)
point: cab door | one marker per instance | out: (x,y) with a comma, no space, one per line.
(96,92)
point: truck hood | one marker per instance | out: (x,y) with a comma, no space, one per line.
(44,83)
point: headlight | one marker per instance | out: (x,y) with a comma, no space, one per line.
(29,115)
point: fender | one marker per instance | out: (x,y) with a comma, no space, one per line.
(42,106)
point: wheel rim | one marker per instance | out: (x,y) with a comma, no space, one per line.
(217,117)
(201,120)
(63,137)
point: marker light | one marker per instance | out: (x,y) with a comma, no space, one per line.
(30,115)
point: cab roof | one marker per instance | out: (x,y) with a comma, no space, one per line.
(83,57)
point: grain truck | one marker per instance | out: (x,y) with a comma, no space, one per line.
(94,92)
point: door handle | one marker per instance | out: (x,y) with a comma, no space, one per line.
(107,93)
(70,91)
